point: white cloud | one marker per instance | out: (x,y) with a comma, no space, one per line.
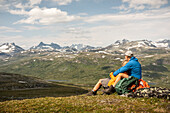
(64,2)
(29,4)
(150,24)
(26,42)
(10,39)
(4,5)
(32,28)
(107,34)
(21,4)
(147,15)
(44,16)
(67,39)
(97,30)
(4,29)
(34,2)
(82,14)
(76,30)
(19,12)
(141,4)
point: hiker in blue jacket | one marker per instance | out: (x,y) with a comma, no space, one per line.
(133,67)
(102,82)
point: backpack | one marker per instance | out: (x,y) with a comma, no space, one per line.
(124,86)
(142,84)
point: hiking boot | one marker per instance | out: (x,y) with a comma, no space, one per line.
(128,95)
(109,90)
(91,93)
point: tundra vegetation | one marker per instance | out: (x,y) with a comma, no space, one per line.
(75,75)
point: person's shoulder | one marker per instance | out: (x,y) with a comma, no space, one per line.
(129,63)
(133,62)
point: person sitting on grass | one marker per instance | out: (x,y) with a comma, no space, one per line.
(106,82)
(133,67)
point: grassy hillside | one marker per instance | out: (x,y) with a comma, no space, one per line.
(82,103)
(78,69)
(156,69)
(52,90)
(86,68)
(9,81)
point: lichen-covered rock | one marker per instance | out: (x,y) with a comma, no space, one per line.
(157,92)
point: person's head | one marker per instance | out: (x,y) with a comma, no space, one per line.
(124,62)
(128,55)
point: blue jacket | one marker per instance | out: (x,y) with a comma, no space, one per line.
(133,67)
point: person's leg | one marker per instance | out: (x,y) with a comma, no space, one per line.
(95,89)
(98,85)
(120,75)
(111,88)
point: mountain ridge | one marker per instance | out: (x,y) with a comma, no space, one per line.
(9,49)
(118,47)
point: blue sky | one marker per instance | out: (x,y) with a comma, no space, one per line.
(91,22)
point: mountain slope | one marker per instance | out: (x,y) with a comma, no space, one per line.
(17,87)
(72,68)
(88,68)
(9,81)
(163,43)
(82,103)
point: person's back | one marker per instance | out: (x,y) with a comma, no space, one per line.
(133,67)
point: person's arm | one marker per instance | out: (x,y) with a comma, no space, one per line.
(123,69)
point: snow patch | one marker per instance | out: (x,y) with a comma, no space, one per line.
(148,56)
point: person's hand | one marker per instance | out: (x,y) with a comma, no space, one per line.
(111,75)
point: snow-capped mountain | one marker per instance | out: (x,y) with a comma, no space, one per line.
(4,55)
(55,47)
(126,44)
(120,42)
(68,49)
(138,46)
(134,44)
(10,48)
(88,48)
(77,46)
(81,47)
(163,43)
(43,46)
(119,47)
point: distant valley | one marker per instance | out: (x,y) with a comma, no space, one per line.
(83,64)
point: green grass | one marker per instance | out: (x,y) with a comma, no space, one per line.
(86,104)
(155,68)
(55,90)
